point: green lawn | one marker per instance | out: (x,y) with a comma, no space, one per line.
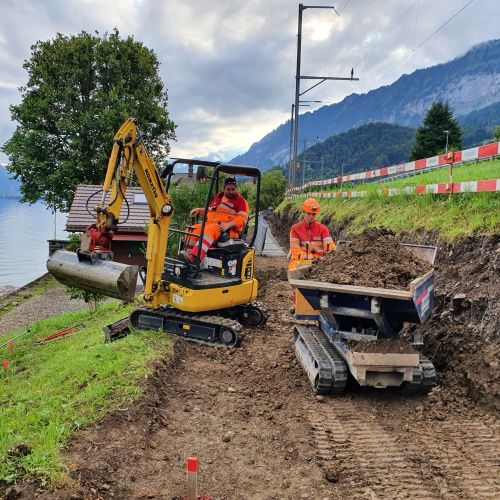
(466,172)
(51,390)
(448,216)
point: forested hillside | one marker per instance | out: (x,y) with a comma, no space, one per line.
(366,147)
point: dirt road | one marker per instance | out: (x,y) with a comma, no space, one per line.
(250,417)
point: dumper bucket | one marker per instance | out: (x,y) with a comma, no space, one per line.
(103,276)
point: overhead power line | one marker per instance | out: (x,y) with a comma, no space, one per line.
(370,50)
(422,43)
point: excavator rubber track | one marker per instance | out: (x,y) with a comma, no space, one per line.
(326,369)
(200,328)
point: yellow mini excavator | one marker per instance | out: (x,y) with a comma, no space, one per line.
(208,301)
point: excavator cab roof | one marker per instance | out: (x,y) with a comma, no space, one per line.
(226,168)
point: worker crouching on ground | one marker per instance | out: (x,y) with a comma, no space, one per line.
(309,240)
(227,213)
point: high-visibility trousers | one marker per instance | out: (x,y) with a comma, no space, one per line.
(211,233)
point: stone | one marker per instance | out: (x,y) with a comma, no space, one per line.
(332,476)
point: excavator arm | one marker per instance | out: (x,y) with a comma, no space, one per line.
(129,156)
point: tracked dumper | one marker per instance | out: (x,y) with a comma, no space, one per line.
(357,331)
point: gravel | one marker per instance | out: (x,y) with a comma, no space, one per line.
(51,303)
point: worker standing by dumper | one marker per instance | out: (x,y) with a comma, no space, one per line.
(227,213)
(309,239)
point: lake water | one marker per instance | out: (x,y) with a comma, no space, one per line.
(24,231)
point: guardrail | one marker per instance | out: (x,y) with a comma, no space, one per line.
(483,152)
(482,186)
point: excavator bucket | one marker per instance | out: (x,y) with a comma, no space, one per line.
(103,276)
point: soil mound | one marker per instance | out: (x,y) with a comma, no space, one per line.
(375,259)
(382,346)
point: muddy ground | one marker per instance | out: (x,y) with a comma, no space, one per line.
(251,418)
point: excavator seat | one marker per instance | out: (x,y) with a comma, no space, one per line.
(231,245)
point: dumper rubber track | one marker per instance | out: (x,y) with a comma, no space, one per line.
(424,378)
(324,366)
(201,328)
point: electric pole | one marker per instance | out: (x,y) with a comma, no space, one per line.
(299,77)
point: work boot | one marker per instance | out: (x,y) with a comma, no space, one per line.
(186,257)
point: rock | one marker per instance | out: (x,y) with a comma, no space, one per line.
(320,398)
(231,389)
(332,475)
(226,438)
(12,492)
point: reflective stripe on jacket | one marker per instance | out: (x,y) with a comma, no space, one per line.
(310,241)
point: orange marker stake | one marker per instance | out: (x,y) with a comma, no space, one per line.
(5,365)
(10,345)
(192,478)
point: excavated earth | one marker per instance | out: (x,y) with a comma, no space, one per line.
(259,432)
(375,259)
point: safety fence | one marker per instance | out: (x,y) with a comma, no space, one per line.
(483,152)
(482,186)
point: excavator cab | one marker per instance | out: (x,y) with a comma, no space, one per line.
(227,254)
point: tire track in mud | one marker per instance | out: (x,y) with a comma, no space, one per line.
(459,458)
(365,456)
(471,455)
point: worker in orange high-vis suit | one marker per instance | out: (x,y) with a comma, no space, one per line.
(309,240)
(227,212)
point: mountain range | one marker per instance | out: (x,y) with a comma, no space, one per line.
(469,83)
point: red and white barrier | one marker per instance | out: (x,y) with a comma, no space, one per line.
(482,186)
(453,157)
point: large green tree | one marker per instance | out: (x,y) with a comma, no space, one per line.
(273,187)
(80,89)
(496,133)
(430,138)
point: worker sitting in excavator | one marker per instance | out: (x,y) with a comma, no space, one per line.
(227,214)
(309,240)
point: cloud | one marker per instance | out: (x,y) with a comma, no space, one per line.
(229,65)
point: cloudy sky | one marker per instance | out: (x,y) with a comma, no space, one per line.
(229,65)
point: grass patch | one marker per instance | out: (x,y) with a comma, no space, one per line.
(461,173)
(449,216)
(49,391)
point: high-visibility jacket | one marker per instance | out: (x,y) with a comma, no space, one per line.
(309,241)
(221,209)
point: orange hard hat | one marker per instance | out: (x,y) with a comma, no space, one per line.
(311,206)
